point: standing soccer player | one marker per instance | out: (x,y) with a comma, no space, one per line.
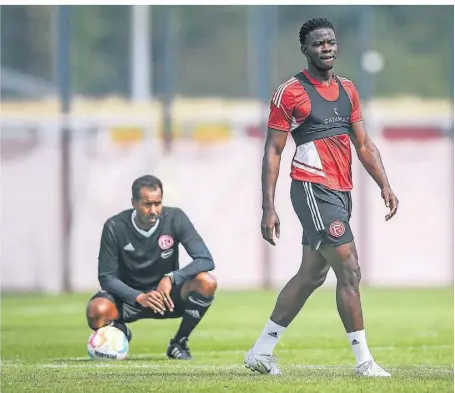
(322,112)
(138,268)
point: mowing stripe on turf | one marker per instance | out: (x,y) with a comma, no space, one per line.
(125,365)
(237,352)
(139,356)
(403,371)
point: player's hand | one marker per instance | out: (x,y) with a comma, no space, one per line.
(164,289)
(269,223)
(391,201)
(152,300)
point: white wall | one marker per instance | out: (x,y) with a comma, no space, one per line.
(218,185)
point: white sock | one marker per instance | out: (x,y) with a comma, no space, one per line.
(266,342)
(359,346)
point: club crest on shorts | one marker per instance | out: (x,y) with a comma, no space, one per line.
(165,242)
(337,229)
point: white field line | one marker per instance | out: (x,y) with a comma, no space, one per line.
(85,362)
(415,370)
(147,356)
(138,356)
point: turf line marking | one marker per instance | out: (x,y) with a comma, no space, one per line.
(235,352)
(125,365)
(415,370)
(148,356)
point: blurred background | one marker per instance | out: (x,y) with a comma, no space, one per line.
(95,96)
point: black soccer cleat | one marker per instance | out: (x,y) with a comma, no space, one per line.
(179,349)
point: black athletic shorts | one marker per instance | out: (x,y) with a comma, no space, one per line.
(130,313)
(323,213)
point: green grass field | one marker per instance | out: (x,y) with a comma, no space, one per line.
(410,333)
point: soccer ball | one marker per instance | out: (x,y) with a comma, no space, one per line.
(107,343)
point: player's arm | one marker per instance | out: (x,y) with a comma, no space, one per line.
(369,154)
(281,110)
(274,145)
(202,260)
(370,158)
(108,265)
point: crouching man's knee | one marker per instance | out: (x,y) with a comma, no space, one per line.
(101,312)
(204,284)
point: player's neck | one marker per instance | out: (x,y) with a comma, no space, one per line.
(144,227)
(322,76)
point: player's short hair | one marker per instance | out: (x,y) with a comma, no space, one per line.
(313,24)
(147,181)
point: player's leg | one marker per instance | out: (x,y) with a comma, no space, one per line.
(344,261)
(192,301)
(338,249)
(311,275)
(103,310)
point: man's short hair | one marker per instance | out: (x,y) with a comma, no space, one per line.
(313,24)
(147,181)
